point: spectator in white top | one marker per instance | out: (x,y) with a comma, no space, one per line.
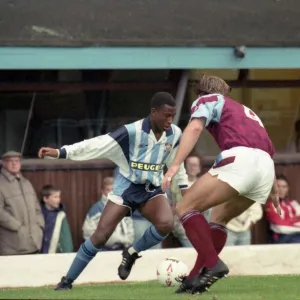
(239,228)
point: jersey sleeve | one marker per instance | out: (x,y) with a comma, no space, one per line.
(181,176)
(113,146)
(208,108)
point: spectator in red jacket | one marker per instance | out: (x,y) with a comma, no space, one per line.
(285,228)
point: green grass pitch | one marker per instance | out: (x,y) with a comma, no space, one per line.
(232,288)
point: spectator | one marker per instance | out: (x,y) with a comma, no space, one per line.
(21,219)
(285,228)
(193,169)
(57,235)
(123,235)
(193,165)
(239,228)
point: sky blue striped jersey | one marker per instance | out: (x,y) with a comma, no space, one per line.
(136,151)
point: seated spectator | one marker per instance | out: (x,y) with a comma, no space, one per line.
(285,228)
(123,236)
(57,235)
(239,228)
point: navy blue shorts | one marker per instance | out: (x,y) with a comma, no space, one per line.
(133,195)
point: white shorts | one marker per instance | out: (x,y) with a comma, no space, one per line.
(249,171)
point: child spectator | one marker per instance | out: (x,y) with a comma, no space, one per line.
(57,235)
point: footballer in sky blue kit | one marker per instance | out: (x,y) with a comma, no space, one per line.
(141,150)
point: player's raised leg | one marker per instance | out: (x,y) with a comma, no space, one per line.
(208,191)
(158,211)
(110,217)
(223,214)
(220,216)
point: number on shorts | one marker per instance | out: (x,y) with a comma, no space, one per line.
(250,114)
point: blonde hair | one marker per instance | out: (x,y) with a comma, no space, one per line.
(211,85)
(107,181)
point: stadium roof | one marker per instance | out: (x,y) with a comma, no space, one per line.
(150,23)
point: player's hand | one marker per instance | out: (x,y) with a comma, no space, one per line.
(45,151)
(166,183)
(276,202)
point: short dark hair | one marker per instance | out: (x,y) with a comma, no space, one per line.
(161,99)
(47,190)
(282,177)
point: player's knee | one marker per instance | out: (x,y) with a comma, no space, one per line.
(100,237)
(182,208)
(165,227)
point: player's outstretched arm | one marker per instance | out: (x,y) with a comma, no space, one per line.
(188,141)
(47,151)
(103,146)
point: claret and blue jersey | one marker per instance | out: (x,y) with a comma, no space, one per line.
(231,123)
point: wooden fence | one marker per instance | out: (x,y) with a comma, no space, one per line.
(80,183)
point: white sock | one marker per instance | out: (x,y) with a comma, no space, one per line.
(131,250)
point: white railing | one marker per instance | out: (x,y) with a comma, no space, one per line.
(39,270)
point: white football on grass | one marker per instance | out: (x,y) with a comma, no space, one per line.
(170,271)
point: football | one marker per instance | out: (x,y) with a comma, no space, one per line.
(170,271)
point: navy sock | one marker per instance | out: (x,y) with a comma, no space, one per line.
(150,238)
(85,254)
